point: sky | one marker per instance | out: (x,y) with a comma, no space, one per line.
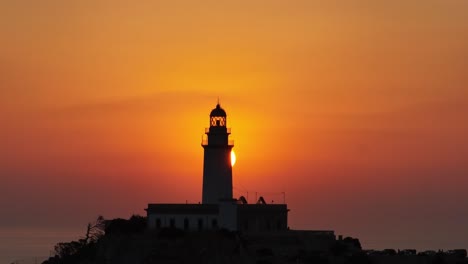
(355,109)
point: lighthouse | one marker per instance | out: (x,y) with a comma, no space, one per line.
(219,209)
(217,167)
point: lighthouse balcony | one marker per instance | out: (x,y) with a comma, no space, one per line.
(215,129)
(205,143)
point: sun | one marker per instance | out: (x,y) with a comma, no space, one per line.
(233,158)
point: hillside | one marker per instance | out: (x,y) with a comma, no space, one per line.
(122,241)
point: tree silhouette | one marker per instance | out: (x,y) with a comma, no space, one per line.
(94,230)
(75,249)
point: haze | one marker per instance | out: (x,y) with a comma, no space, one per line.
(356,109)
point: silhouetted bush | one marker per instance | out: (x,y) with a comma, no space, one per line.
(389,252)
(316,259)
(136,224)
(359,258)
(338,248)
(171,233)
(438,258)
(265,252)
(85,249)
(460,253)
(353,241)
(73,252)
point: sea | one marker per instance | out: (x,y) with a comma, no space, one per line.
(32,245)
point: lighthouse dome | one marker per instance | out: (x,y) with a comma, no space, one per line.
(218,111)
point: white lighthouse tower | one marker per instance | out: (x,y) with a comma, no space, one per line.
(218,208)
(217,168)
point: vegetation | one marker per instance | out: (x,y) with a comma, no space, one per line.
(85,249)
(136,224)
(121,241)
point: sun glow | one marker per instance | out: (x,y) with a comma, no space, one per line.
(233,158)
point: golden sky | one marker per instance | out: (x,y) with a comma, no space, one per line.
(356,109)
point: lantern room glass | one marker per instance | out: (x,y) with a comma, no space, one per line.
(218,121)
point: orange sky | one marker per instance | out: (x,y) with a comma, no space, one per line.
(356,109)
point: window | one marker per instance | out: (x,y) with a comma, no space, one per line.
(186,224)
(158,223)
(172,223)
(200,224)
